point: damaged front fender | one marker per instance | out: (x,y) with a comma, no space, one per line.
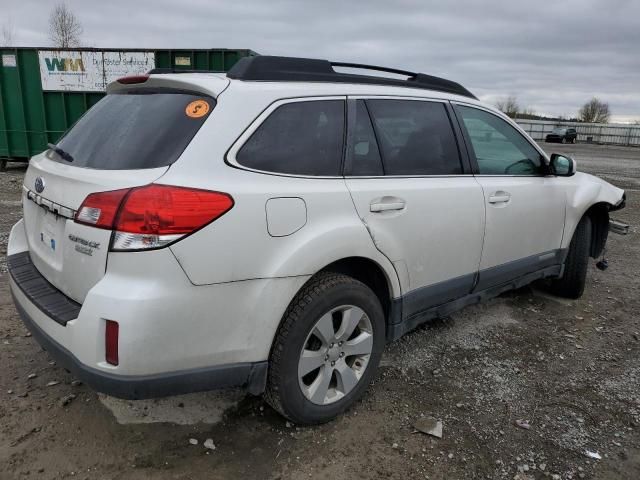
(589,194)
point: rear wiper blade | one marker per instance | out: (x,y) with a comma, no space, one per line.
(65,155)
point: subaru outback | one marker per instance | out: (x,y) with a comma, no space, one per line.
(274,227)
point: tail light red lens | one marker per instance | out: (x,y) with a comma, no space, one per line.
(100,209)
(111,342)
(152,216)
(132,79)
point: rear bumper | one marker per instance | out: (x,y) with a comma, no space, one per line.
(251,376)
(175,337)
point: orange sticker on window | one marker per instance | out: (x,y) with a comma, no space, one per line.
(197,109)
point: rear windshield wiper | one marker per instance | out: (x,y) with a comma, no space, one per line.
(65,155)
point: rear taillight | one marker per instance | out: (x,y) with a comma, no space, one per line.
(100,209)
(152,216)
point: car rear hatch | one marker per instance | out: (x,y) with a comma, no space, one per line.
(128,139)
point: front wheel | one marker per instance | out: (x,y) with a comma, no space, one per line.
(326,350)
(572,283)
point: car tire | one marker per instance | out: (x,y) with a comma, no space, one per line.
(572,283)
(574,141)
(564,140)
(303,332)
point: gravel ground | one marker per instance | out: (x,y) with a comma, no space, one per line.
(567,370)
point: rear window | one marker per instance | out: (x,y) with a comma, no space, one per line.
(136,130)
(301,138)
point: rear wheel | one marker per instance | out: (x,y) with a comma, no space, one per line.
(564,139)
(326,350)
(572,283)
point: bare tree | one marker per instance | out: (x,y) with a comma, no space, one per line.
(6,35)
(595,111)
(509,106)
(64,27)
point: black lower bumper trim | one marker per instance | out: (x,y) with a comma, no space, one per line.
(252,376)
(51,301)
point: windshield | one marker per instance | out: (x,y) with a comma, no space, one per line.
(559,130)
(136,129)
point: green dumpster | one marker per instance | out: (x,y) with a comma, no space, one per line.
(43,91)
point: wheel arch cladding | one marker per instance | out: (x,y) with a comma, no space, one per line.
(368,272)
(599,215)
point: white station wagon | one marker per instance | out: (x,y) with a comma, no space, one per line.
(274,227)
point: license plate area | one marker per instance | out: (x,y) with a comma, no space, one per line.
(49,233)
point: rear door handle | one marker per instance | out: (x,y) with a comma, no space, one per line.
(499,197)
(387,203)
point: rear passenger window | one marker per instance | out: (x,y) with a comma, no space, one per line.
(301,138)
(415,137)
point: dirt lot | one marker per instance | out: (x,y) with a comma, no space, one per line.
(570,369)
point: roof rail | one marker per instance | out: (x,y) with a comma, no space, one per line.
(292,69)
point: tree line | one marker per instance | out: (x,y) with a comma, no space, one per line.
(593,111)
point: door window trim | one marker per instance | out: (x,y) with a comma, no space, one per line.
(469,146)
(231,159)
(463,154)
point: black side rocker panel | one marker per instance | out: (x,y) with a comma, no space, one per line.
(491,283)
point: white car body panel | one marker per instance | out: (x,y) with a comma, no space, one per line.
(530,222)
(583,191)
(432,255)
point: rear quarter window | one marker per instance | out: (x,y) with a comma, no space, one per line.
(299,138)
(136,129)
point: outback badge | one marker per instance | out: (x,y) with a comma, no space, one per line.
(39,184)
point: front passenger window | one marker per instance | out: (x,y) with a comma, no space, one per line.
(499,148)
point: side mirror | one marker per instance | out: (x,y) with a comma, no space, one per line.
(562,166)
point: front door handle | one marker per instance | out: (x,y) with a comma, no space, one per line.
(499,197)
(386,204)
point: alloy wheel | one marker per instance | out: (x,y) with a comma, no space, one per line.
(335,354)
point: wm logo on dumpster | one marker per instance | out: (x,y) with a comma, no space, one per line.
(64,64)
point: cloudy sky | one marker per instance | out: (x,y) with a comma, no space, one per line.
(552,55)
